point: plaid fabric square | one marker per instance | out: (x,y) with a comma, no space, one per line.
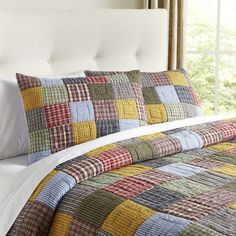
(174,112)
(85,169)
(128,187)
(26,82)
(39,141)
(209,135)
(166,145)
(57,114)
(155,177)
(78,92)
(61,137)
(158,198)
(184,94)
(158,79)
(97,206)
(105,127)
(96,79)
(228,129)
(36,119)
(36,219)
(79,227)
(141,151)
(105,110)
(55,94)
(115,158)
(82,111)
(118,77)
(122,90)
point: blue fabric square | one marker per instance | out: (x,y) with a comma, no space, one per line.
(181,169)
(51,82)
(189,140)
(162,224)
(82,111)
(167,94)
(128,124)
(55,189)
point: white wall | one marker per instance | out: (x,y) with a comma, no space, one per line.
(69,4)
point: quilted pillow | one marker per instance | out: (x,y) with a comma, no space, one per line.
(64,112)
(168,95)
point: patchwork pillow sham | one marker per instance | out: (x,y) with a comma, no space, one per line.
(64,112)
(168,95)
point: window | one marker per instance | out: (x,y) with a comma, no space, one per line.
(211,53)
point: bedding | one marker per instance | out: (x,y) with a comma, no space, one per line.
(177,181)
(13,130)
(168,95)
(64,112)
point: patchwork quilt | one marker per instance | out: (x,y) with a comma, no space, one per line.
(178,182)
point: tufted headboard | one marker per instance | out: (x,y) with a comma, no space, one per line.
(62,41)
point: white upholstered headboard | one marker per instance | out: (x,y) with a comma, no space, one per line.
(62,41)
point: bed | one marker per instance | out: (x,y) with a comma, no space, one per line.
(63,41)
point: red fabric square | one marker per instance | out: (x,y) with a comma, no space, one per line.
(57,115)
(105,110)
(129,187)
(115,158)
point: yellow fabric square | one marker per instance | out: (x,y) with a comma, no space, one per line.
(126,218)
(177,78)
(152,136)
(60,225)
(99,150)
(227,169)
(156,113)
(32,98)
(84,131)
(127,109)
(131,170)
(222,146)
(233,206)
(42,184)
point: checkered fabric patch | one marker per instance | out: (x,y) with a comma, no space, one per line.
(75,110)
(170,88)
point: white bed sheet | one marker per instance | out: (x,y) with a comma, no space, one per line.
(19,181)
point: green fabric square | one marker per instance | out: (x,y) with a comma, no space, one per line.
(36,119)
(55,94)
(141,151)
(101,91)
(150,96)
(103,180)
(134,76)
(186,187)
(39,141)
(96,207)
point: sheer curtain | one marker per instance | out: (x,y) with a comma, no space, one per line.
(176,12)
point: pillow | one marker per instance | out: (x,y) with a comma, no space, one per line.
(168,95)
(13,130)
(64,112)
